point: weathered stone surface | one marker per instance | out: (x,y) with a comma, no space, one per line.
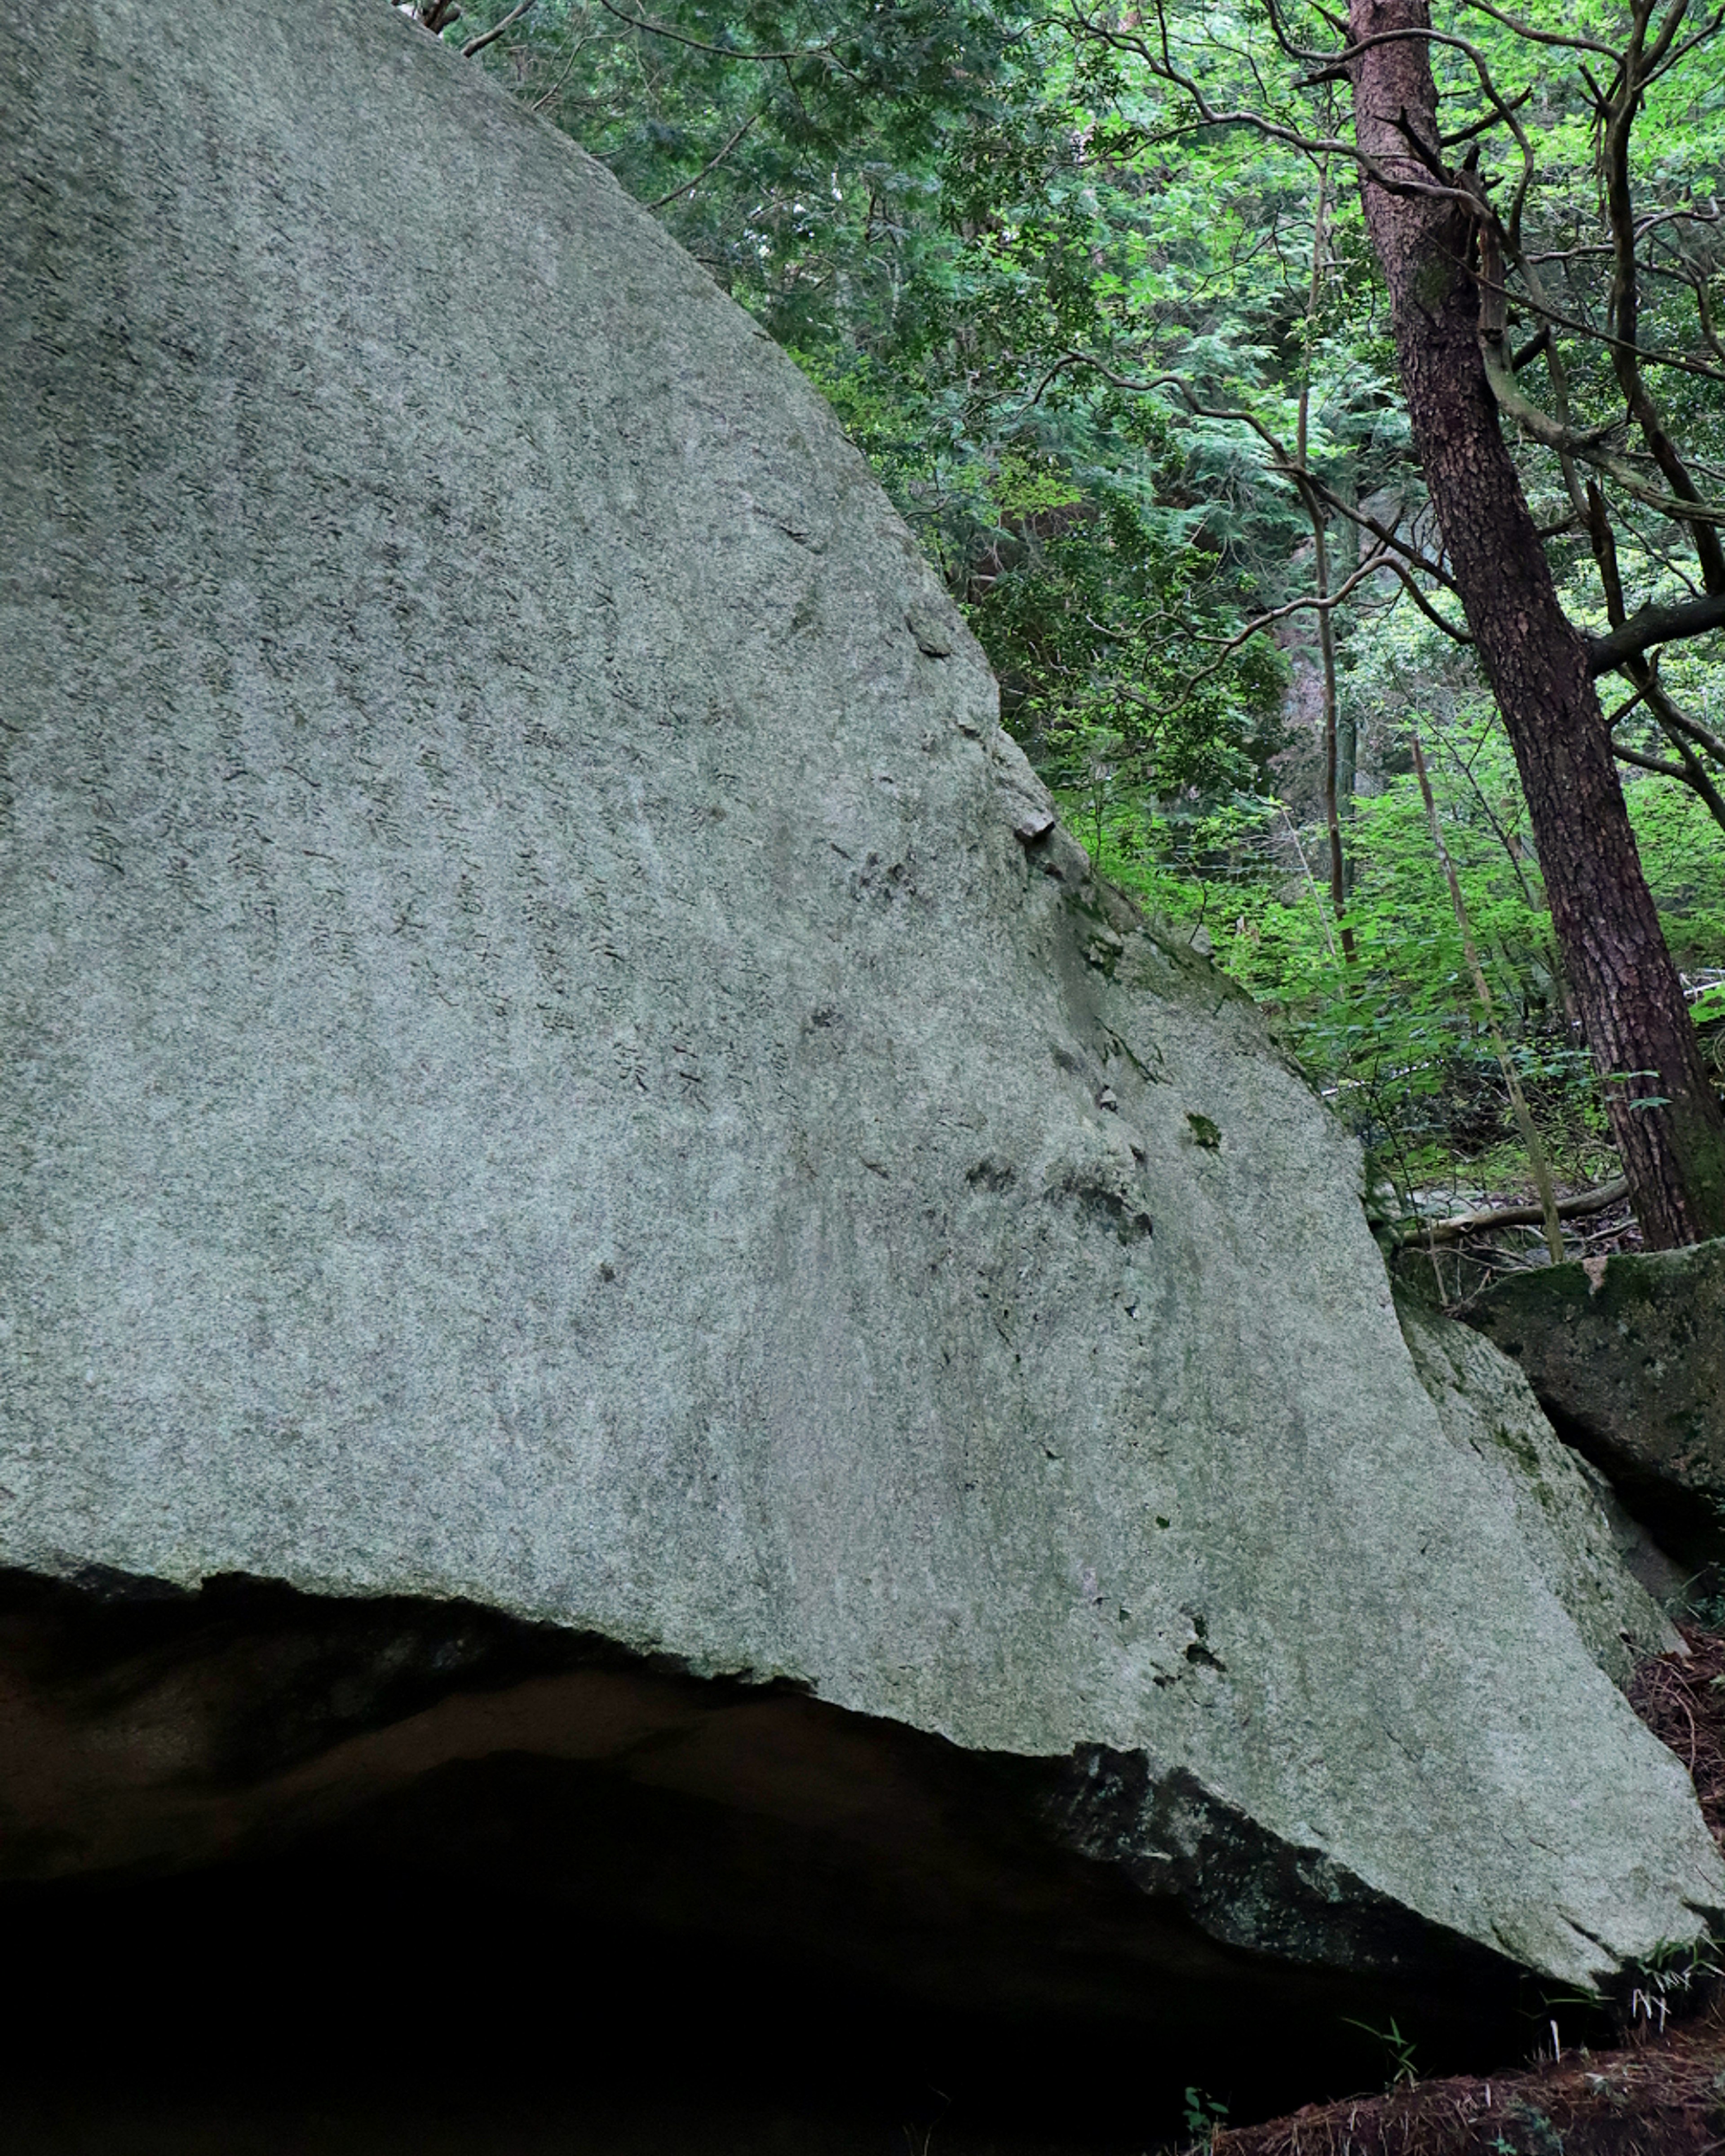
(1627,1355)
(553,1058)
(1486,1406)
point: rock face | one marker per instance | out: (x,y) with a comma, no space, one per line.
(558,1062)
(1627,1356)
(1559,1506)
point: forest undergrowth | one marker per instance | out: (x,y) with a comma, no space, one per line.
(1395,1034)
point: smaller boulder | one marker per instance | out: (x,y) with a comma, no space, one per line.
(1627,1357)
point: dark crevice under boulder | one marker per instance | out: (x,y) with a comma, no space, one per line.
(155,1737)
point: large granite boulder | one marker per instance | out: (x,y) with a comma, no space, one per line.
(570,1105)
(1627,1354)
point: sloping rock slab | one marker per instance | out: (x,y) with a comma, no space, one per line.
(555,1060)
(1561,1512)
(1627,1355)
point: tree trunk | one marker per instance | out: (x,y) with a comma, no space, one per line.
(1347,725)
(1664,1116)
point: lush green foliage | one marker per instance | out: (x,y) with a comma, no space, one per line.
(911,209)
(1092,348)
(1398,1040)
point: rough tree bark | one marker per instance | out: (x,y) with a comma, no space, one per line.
(1630,998)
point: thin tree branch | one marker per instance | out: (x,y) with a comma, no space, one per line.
(1426,607)
(1654,624)
(700,45)
(1287,468)
(1162,64)
(488,37)
(1423,562)
(1623,306)
(1462,1224)
(1478,126)
(1650,222)
(1557,319)
(1541,37)
(1693,772)
(1524,355)
(712,166)
(1536,1157)
(557,89)
(1323,604)
(1642,762)
(1550,435)
(1671,715)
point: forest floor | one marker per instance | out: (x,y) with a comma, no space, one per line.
(1660,2093)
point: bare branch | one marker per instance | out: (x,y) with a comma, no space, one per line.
(1461,1225)
(488,37)
(1696,775)
(1316,604)
(1411,555)
(1144,385)
(1556,318)
(1650,224)
(1671,716)
(1550,434)
(1623,306)
(1162,64)
(1524,355)
(1642,762)
(551,96)
(1541,37)
(1488,119)
(1654,624)
(1690,772)
(1307,56)
(1537,1159)
(1286,467)
(1629,704)
(1426,607)
(700,45)
(712,166)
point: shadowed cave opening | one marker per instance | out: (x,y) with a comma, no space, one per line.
(316,1874)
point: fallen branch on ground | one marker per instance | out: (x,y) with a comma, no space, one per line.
(1463,1224)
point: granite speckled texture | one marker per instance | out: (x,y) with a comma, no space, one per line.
(554,1055)
(1485,1404)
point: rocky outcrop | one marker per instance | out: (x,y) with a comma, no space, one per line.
(1574,1534)
(1627,1355)
(563,1067)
